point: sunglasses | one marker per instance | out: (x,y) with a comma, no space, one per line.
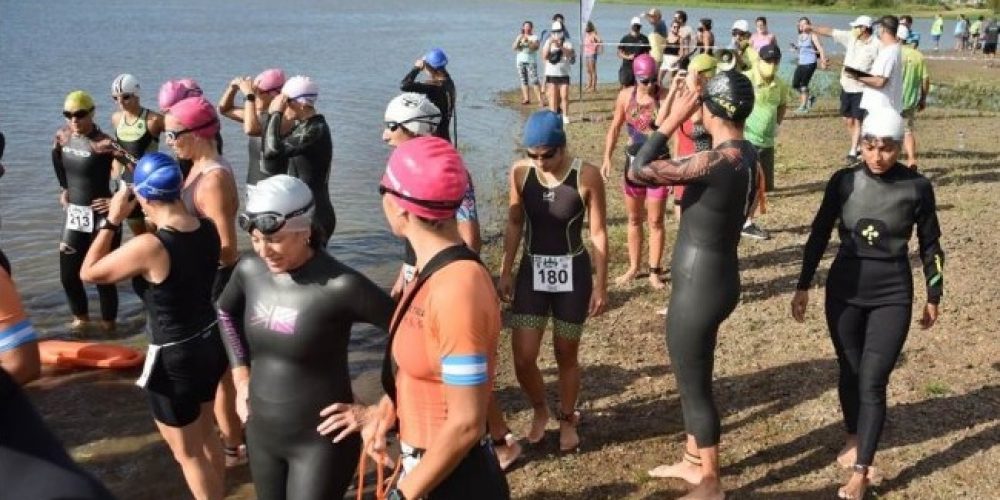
(122,97)
(78,114)
(173,135)
(268,223)
(393,125)
(431,204)
(541,156)
(645,81)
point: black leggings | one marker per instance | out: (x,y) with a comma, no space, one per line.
(478,476)
(868,341)
(71,254)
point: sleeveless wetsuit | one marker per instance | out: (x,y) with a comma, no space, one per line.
(188,194)
(181,319)
(308,148)
(640,120)
(293,330)
(553,229)
(137,140)
(443,96)
(721,187)
(258,167)
(691,138)
(33,463)
(83,168)
(869,289)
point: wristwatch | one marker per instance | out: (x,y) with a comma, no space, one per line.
(250,98)
(395,494)
(107,224)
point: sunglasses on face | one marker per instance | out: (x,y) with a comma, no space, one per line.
(645,81)
(431,204)
(541,156)
(122,97)
(78,114)
(268,223)
(173,135)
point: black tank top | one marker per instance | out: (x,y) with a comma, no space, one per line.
(554,215)
(181,305)
(83,164)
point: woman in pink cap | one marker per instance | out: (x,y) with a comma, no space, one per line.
(257,96)
(637,108)
(173,91)
(210,192)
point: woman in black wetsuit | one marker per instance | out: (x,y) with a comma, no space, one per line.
(869,290)
(186,358)
(308,148)
(287,315)
(440,88)
(82,156)
(719,191)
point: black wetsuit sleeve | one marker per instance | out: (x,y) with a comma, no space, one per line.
(231,306)
(371,304)
(822,228)
(410,83)
(929,238)
(296,143)
(645,169)
(57,164)
(3,144)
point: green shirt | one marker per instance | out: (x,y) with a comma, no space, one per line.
(762,124)
(938,27)
(914,75)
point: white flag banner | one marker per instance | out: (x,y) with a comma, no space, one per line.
(587,7)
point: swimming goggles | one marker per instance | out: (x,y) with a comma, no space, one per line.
(429,119)
(268,222)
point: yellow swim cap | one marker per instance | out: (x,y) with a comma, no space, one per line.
(78,100)
(702,63)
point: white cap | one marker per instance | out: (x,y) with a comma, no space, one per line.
(903,33)
(282,194)
(125,84)
(301,88)
(636,20)
(883,122)
(415,112)
(557,26)
(863,21)
(742,25)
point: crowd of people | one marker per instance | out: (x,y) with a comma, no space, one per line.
(247,357)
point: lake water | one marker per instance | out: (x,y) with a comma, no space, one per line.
(356,51)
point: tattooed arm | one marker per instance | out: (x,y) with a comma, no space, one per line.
(680,171)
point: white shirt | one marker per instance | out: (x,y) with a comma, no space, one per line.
(860,54)
(563,67)
(888,64)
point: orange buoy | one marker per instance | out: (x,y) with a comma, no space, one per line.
(88,354)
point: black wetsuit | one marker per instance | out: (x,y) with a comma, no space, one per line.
(33,463)
(869,290)
(720,187)
(260,168)
(553,225)
(297,329)
(181,319)
(83,167)
(308,149)
(442,95)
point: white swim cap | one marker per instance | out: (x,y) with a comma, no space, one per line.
(883,122)
(283,195)
(302,89)
(415,112)
(125,84)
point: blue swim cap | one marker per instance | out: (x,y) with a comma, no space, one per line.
(436,59)
(544,128)
(158,178)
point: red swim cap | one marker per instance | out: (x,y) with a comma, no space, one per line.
(427,177)
(197,115)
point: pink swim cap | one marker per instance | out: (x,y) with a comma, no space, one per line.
(644,65)
(427,177)
(270,80)
(175,90)
(197,115)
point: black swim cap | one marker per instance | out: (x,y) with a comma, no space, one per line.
(729,95)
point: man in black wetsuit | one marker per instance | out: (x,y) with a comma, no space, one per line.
(720,187)
(440,89)
(869,290)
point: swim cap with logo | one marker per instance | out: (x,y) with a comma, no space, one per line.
(427,178)
(729,95)
(543,128)
(197,115)
(302,89)
(414,112)
(78,100)
(157,177)
(270,80)
(125,84)
(283,195)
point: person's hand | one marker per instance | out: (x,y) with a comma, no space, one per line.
(419,63)
(606,169)
(505,287)
(345,418)
(373,435)
(246,85)
(930,316)
(686,102)
(100,206)
(799,303)
(922,105)
(64,198)
(278,104)
(598,301)
(235,82)
(824,63)
(243,401)
(118,207)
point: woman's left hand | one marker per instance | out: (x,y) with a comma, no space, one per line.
(345,418)
(278,104)
(119,206)
(823,63)
(598,301)
(930,315)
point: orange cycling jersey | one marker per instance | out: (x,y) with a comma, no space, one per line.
(448,336)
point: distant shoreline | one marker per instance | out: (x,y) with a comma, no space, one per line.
(913,9)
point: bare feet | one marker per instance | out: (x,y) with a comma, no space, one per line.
(855,487)
(569,439)
(509,452)
(628,276)
(685,470)
(538,423)
(710,488)
(849,454)
(655,282)
(108,326)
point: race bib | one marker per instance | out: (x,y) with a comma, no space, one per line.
(80,218)
(147,368)
(553,273)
